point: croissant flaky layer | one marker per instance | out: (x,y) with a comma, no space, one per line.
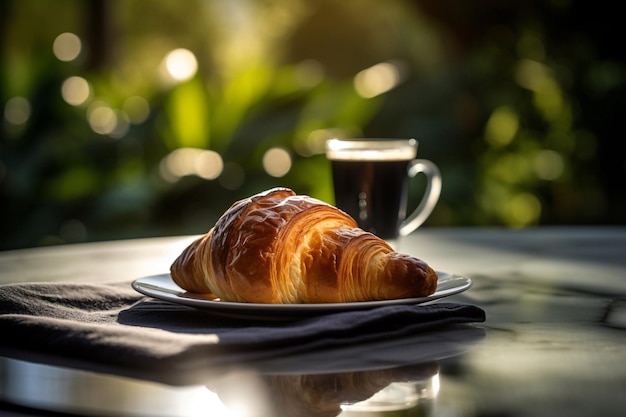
(279,247)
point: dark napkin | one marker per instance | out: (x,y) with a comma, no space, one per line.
(112,325)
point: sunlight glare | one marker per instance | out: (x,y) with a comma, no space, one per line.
(243,394)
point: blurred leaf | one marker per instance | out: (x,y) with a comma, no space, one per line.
(337,105)
(188,111)
(241,91)
(312,176)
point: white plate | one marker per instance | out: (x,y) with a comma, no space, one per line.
(163,287)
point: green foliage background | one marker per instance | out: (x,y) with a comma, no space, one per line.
(520,104)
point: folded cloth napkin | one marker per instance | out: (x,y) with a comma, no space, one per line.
(112,325)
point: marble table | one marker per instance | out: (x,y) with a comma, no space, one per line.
(554,342)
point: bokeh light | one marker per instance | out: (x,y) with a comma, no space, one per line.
(182,162)
(137,108)
(277,162)
(122,125)
(67,47)
(501,127)
(532,75)
(102,118)
(314,142)
(522,210)
(208,165)
(510,167)
(548,165)
(181,64)
(76,91)
(17,111)
(377,79)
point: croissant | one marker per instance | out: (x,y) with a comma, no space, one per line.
(277,247)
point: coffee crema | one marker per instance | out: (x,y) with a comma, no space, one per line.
(385,150)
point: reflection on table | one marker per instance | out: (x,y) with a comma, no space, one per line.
(241,392)
(381,377)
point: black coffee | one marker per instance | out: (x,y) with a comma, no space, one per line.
(373,192)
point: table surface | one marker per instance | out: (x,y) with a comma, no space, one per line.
(553,342)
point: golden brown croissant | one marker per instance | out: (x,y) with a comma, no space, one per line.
(279,247)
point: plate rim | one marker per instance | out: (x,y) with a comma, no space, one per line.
(178,295)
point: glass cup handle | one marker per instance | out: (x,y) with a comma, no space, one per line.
(430,197)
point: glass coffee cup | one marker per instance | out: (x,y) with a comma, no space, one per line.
(371,183)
